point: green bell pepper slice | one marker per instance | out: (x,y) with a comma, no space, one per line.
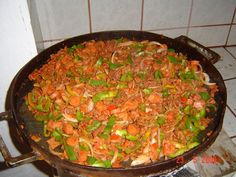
(94,126)
(107,130)
(105,95)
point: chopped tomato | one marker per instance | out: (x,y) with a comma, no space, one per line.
(133,129)
(116,164)
(170,115)
(100,106)
(194,64)
(199,104)
(168,147)
(111,107)
(83,155)
(74,101)
(130,105)
(53,143)
(155,98)
(183,99)
(68,128)
(153,152)
(72,141)
(115,137)
(54,124)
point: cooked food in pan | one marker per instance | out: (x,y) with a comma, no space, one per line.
(119,103)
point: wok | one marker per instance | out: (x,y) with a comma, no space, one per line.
(27,125)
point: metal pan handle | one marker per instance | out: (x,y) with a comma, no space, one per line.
(9,160)
(212,56)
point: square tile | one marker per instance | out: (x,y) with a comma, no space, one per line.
(232,36)
(229,123)
(115,15)
(235,16)
(234,140)
(62,19)
(208,12)
(231,94)
(232,50)
(50,43)
(226,65)
(165,14)
(172,33)
(210,36)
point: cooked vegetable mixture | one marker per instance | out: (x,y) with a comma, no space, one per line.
(120,103)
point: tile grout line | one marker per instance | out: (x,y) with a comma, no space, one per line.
(231,111)
(142,11)
(90,20)
(193,26)
(229,52)
(232,137)
(51,40)
(230,27)
(229,79)
(189,18)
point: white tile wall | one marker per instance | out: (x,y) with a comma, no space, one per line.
(165,13)
(232,36)
(208,12)
(115,15)
(226,65)
(210,36)
(49,44)
(172,33)
(62,19)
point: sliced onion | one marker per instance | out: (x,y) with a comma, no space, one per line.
(146,150)
(147,110)
(141,63)
(114,157)
(159,137)
(70,119)
(86,94)
(123,122)
(141,95)
(153,140)
(140,160)
(65,135)
(200,69)
(90,106)
(139,54)
(113,56)
(125,44)
(106,71)
(155,42)
(161,50)
(54,152)
(82,140)
(206,80)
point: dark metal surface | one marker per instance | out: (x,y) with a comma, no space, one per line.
(212,56)
(27,126)
(9,160)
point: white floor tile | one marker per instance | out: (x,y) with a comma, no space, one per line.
(229,123)
(231,94)
(226,65)
(232,50)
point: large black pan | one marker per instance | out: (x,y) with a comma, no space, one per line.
(27,126)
